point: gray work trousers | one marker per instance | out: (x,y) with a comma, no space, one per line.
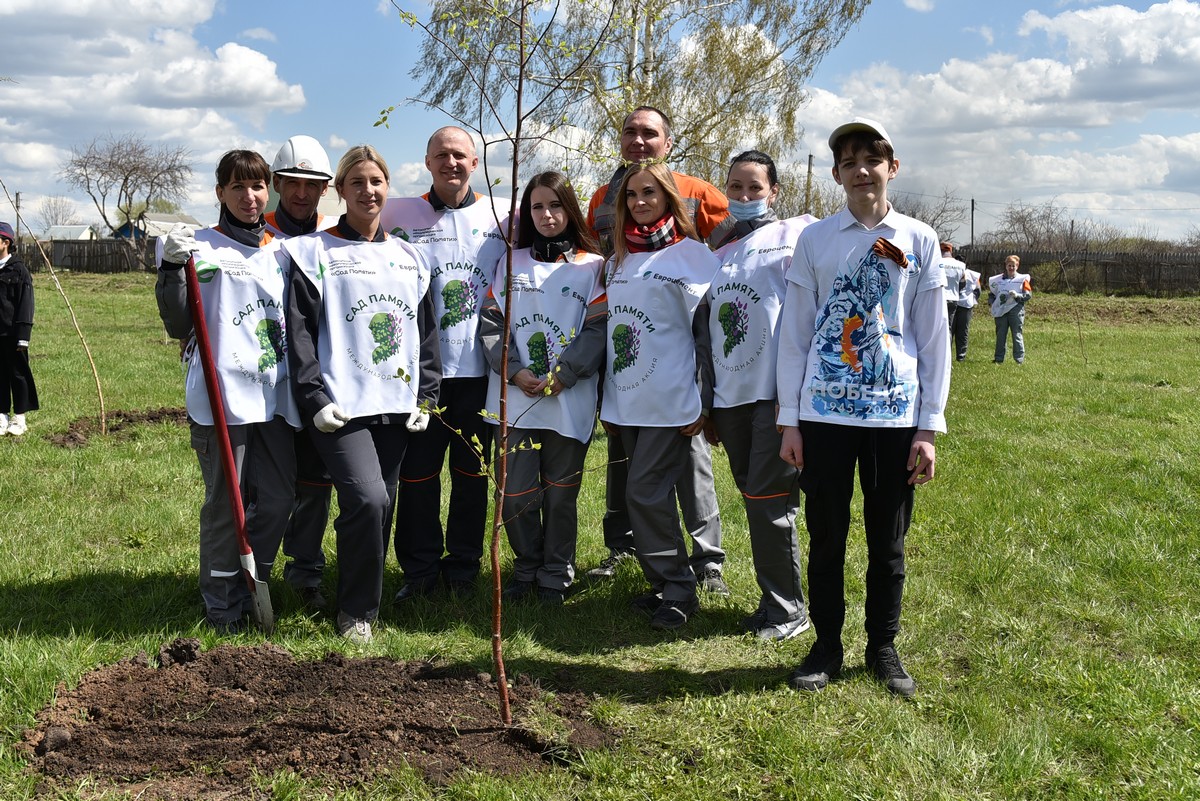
(658,458)
(263,456)
(1012,320)
(540,514)
(771,490)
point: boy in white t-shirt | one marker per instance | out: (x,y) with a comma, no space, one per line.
(863,375)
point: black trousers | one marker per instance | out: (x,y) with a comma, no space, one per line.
(419,540)
(831,453)
(18,393)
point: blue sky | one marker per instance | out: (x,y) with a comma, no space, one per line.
(1091,105)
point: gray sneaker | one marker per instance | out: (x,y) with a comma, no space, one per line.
(355,629)
(778,632)
(608,566)
(885,664)
(710,580)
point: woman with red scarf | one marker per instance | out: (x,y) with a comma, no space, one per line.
(658,374)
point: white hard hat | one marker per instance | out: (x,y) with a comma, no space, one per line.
(302,157)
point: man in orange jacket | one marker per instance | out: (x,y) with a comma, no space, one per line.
(646,136)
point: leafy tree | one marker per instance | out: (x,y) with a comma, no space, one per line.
(725,71)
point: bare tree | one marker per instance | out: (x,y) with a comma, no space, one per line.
(945,213)
(724,71)
(56,210)
(119,173)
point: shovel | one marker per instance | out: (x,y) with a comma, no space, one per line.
(264,616)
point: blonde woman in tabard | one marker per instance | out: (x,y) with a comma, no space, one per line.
(555,350)
(364,358)
(243,293)
(658,374)
(747,305)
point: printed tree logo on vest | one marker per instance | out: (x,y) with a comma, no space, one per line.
(458,298)
(735,322)
(626,341)
(400,232)
(385,328)
(270,339)
(540,351)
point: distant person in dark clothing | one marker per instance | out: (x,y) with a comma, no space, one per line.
(17,391)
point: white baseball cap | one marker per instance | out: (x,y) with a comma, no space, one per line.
(859,124)
(302,157)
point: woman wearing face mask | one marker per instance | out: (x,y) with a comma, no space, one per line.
(365,361)
(746,298)
(242,289)
(555,349)
(658,375)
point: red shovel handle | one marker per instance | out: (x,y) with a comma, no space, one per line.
(217,404)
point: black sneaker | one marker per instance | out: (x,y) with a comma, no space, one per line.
(710,580)
(311,598)
(754,622)
(228,627)
(884,662)
(673,614)
(415,589)
(551,597)
(515,590)
(647,602)
(608,566)
(821,666)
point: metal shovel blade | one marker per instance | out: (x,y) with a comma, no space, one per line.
(264,615)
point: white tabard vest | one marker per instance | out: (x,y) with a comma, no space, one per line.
(549,305)
(243,292)
(369,344)
(455,243)
(650,372)
(954,274)
(746,298)
(968,298)
(1006,289)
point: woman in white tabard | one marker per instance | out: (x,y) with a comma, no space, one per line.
(658,374)
(365,366)
(746,299)
(556,337)
(243,292)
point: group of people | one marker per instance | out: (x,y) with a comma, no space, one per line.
(683,316)
(1007,295)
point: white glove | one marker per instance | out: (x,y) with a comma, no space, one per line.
(179,244)
(330,418)
(418,421)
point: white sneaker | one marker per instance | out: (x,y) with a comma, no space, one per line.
(354,629)
(16,426)
(3,424)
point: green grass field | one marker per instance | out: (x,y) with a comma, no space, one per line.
(1050,616)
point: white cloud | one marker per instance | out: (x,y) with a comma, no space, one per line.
(337,143)
(919,5)
(261,34)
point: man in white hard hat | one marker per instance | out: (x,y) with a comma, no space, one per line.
(301,175)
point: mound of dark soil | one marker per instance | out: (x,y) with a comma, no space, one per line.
(84,428)
(199,725)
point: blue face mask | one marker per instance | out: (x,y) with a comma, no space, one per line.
(747,210)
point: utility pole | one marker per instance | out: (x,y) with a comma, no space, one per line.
(972,222)
(17,203)
(808,186)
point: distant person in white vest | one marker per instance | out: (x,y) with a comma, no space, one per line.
(300,174)
(646,137)
(955,275)
(1007,294)
(456,228)
(968,299)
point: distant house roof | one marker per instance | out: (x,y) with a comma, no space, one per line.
(70,232)
(160,224)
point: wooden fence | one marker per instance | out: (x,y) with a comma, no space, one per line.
(88,256)
(1149,273)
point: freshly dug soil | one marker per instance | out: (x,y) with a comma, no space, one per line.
(84,428)
(200,724)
